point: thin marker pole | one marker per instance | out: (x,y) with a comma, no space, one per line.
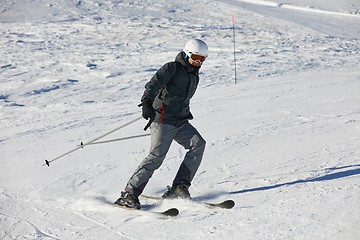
(233,20)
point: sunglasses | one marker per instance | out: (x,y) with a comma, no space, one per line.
(196,58)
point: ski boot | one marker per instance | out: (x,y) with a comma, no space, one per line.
(177,191)
(128,200)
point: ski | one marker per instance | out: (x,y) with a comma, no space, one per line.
(171,212)
(227,204)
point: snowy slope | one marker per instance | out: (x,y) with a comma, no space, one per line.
(340,6)
(283,142)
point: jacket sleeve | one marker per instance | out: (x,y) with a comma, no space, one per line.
(158,81)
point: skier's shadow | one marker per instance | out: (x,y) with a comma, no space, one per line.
(327,177)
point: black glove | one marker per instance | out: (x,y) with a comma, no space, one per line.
(147,109)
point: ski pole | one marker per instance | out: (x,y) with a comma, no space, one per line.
(150,120)
(119,139)
(47,162)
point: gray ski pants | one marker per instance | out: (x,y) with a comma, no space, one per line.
(162,136)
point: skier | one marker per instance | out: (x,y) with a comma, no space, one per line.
(165,103)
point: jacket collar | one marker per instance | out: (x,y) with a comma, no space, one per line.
(182,58)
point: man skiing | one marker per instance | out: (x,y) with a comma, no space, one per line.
(165,103)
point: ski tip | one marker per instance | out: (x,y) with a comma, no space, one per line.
(171,212)
(229,204)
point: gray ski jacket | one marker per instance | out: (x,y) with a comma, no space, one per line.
(170,91)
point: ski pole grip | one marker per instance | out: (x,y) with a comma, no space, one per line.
(150,120)
(148,124)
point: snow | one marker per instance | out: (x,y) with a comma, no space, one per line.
(283,142)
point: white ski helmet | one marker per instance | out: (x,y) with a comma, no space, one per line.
(196,46)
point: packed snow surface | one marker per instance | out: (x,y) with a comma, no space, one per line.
(283,142)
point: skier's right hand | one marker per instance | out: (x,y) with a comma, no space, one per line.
(148,112)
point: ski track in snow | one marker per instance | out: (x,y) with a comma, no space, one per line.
(283,142)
